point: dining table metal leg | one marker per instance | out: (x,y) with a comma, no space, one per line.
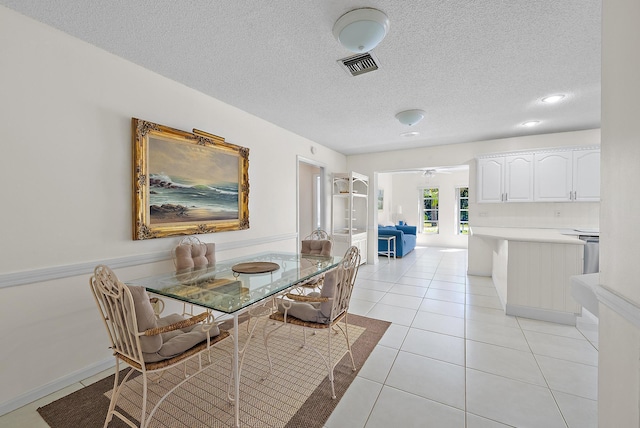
(236,371)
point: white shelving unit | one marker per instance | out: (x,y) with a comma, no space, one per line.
(349,208)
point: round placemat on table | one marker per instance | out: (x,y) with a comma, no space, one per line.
(255,267)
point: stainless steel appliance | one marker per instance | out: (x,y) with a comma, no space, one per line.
(591,254)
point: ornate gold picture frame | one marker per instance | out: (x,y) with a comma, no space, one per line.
(187,183)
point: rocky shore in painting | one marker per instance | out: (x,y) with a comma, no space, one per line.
(158,182)
(168,209)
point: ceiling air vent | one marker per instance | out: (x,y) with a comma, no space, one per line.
(359,64)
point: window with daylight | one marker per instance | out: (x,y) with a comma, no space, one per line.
(430,198)
(463,210)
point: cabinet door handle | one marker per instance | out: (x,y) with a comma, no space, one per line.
(506,197)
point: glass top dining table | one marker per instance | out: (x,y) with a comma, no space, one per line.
(222,289)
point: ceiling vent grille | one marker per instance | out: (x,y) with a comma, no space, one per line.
(359,64)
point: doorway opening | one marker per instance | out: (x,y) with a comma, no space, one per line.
(311,197)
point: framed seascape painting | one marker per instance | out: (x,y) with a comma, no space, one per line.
(187,182)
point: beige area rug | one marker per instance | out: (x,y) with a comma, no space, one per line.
(297,393)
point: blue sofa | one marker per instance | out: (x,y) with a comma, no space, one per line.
(405,238)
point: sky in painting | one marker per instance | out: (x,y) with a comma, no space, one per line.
(201,165)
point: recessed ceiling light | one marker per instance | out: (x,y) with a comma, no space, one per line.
(410,134)
(531,123)
(552,99)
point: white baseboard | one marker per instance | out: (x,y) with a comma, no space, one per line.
(56,385)
(478,273)
(541,314)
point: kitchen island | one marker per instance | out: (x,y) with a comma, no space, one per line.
(531,269)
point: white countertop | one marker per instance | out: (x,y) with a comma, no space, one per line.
(555,236)
(580,232)
(583,291)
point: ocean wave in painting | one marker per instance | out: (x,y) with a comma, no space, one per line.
(176,199)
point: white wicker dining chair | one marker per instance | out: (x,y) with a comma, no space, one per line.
(190,257)
(326,310)
(320,235)
(318,243)
(145,342)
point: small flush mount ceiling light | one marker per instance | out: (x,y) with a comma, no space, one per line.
(361,30)
(552,99)
(410,117)
(531,123)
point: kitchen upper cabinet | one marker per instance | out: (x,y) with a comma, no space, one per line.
(505,178)
(569,175)
(491,179)
(519,178)
(586,175)
(551,175)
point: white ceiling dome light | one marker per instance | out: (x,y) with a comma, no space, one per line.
(361,30)
(410,117)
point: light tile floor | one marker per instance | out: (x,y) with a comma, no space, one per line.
(450,358)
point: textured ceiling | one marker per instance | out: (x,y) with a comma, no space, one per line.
(478,68)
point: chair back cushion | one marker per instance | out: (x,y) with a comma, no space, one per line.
(316,247)
(145,318)
(329,290)
(193,256)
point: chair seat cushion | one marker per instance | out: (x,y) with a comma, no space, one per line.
(177,341)
(305,311)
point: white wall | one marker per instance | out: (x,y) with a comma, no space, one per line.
(584,214)
(619,339)
(387,214)
(404,193)
(66,172)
